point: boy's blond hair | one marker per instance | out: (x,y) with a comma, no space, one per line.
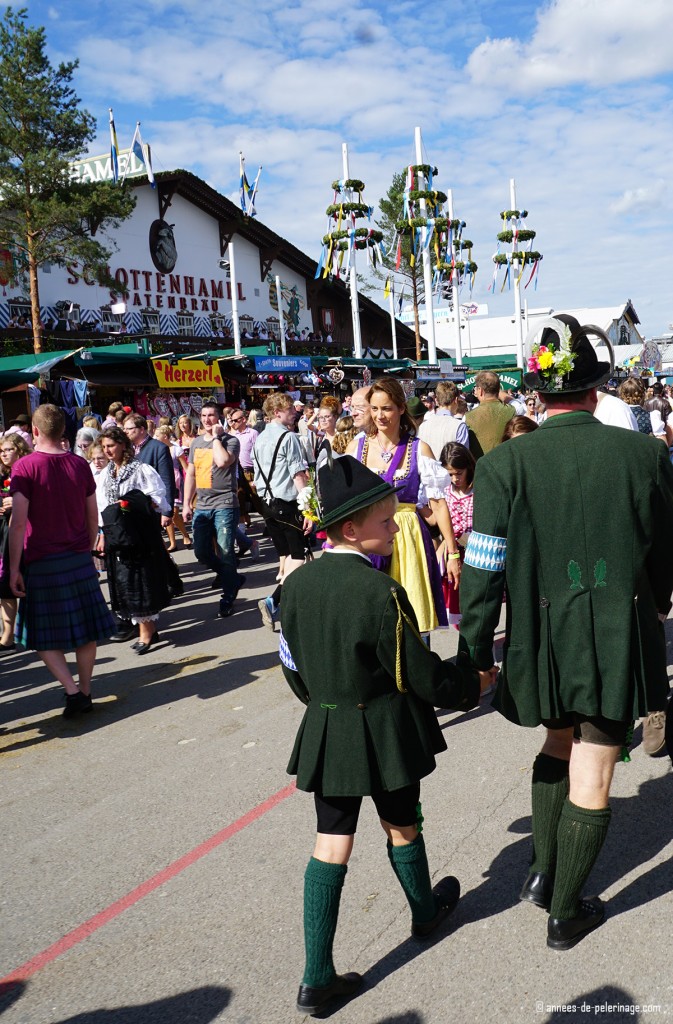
(335,530)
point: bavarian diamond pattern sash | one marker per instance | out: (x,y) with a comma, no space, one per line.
(486,552)
(285,655)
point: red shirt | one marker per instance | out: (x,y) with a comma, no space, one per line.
(56,487)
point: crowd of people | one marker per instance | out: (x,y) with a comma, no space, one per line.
(445,506)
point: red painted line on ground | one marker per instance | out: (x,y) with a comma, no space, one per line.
(119,906)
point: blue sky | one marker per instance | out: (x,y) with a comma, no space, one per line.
(573,99)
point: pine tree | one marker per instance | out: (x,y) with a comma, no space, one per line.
(45,217)
(392,211)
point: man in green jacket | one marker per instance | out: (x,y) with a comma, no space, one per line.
(575,519)
(487,422)
(351,652)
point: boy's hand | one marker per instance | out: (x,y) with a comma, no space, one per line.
(487,679)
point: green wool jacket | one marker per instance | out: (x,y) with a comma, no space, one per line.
(351,652)
(586,512)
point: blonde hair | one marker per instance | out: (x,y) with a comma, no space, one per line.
(50,421)
(335,531)
(275,402)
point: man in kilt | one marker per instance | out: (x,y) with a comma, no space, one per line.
(52,533)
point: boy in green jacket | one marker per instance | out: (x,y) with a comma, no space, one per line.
(351,651)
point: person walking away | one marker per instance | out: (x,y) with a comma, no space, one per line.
(281,471)
(443,428)
(487,422)
(585,652)
(54,527)
(376,701)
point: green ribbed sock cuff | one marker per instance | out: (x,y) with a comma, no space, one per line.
(581,834)
(323,883)
(549,791)
(410,864)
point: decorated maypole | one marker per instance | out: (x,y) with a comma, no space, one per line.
(438,238)
(344,238)
(520,256)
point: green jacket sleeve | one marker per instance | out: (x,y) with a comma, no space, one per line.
(296,683)
(482,581)
(413,666)
(660,556)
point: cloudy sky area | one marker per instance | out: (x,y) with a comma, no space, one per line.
(571,98)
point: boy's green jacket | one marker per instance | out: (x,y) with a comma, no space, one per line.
(351,652)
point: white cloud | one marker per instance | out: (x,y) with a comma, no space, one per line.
(580,41)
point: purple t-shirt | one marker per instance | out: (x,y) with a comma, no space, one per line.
(56,487)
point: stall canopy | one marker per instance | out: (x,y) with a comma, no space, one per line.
(26,369)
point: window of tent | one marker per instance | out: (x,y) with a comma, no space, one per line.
(19,309)
(186,325)
(150,322)
(111,322)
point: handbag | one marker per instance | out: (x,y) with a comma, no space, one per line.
(284,512)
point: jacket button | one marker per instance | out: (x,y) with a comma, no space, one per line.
(544,603)
(361,707)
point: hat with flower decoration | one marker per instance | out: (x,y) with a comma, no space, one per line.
(561,358)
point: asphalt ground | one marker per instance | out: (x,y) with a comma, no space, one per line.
(153,853)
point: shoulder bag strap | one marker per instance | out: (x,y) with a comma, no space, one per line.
(267,480)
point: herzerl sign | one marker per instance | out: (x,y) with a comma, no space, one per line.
(99,168)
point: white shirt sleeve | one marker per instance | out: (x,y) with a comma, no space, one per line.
(434,478)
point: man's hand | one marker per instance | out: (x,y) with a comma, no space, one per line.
(100,543)
(308,526)
(16,584)
(187,513)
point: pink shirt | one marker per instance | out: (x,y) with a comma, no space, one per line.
(56,487)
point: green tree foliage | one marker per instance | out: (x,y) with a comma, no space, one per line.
(45,217)
(392,211)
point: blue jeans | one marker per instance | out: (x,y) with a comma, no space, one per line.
(213,534)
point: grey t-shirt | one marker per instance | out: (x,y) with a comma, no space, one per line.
(215,487)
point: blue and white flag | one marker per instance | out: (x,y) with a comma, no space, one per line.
(142,154)
(248,192)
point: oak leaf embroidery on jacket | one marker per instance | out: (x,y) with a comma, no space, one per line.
(575,574)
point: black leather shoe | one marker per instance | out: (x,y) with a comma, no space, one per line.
(141,648)
(538,889)
(311,1000)
(125,633)
(564,934)
(447,894)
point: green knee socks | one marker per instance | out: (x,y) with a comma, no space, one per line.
(581,833)
(549,793)
(410,864)
(322,892)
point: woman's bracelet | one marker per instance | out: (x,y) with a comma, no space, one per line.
(453,554)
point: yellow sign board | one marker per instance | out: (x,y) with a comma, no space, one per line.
(187,373)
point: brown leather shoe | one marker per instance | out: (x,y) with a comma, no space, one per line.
(654,733)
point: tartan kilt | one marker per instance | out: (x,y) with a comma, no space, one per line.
(64,607)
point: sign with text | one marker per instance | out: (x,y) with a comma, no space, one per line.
(187,373)
(279,364)
(99,168)
(510,380)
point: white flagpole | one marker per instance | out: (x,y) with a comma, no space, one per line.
(357,336)
(393,326)
(427,268)
(455,297)
(283,343)
(517,288)
(130,152)
(234,298)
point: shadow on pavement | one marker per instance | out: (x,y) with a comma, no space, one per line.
(199,1006)
(601,1004)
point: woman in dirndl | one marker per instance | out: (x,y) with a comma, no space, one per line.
(407,463)
(141,576)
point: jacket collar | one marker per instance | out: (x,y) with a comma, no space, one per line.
(569,419)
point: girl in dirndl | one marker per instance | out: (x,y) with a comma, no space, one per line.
(460,464)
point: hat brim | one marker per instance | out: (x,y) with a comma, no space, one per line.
(377,493)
